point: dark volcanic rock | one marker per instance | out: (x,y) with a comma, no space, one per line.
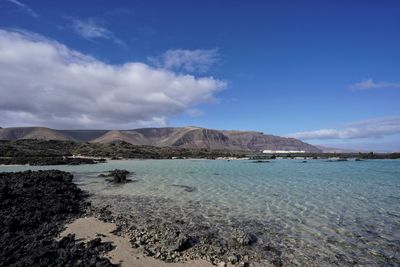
(34,206)
(48,160)
(176,241)
(119,176)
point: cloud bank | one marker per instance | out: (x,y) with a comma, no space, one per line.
(370,84)
(43,82)
(199,60)
(373,128)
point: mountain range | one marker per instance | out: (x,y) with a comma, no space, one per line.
(181,137)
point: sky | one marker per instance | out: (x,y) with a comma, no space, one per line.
(326,72)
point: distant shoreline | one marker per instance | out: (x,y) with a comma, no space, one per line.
(39,152)
(48,161)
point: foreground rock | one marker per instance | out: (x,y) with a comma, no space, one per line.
(34,206)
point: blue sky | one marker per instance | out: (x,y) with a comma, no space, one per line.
(327,72)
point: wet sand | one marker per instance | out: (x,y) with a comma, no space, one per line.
(88,228)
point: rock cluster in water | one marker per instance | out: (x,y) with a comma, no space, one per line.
(34,207)
(119,176)
(185,188)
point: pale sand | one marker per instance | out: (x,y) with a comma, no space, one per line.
(87,228)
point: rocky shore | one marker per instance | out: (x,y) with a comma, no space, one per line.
(173,238)
(42,161)
(41,152)
(34,207)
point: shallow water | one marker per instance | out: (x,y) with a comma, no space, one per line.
(331,213)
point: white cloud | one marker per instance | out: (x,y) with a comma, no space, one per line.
(24,7)
(373,128)
(42,82)
(92,29)
(370,84)
(199,60)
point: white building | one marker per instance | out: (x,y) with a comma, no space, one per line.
(282,151)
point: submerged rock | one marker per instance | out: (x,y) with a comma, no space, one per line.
(261,161)
(185,187)
(243,238)
(119,176)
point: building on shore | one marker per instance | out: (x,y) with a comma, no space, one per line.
(282,151)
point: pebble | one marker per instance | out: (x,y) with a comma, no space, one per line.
(233,259)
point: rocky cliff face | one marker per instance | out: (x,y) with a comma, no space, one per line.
(260,141)
(184,137)
(194,137)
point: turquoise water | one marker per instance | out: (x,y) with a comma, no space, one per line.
(334,211)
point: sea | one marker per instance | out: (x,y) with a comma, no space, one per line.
(315,212)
